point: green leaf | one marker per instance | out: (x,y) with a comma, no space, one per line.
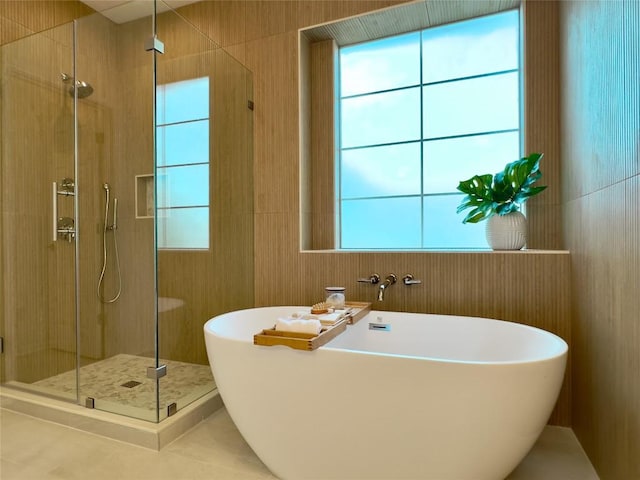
(526,194)
(468,202)
(505,208)
(478,185)
(476,215)
(503,192)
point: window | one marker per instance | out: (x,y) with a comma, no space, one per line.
(183,164)
(418,113)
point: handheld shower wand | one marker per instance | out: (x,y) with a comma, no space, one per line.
(113,227)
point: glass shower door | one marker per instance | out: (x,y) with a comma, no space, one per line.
(121,236)
(116,287)
(204,206)
(37,187)
(71,127)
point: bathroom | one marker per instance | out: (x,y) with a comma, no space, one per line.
(586,122)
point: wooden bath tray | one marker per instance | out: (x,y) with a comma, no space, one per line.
(358,310)
(308,341)
(297,340)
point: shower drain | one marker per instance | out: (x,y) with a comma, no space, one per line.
(130,384)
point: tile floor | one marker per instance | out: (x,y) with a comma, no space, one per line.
(105,381)
(34,449)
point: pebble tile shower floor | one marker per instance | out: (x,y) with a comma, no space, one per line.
(119,384)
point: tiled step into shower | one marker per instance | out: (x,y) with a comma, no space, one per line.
(124,399)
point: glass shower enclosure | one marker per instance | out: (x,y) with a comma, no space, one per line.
(126,198)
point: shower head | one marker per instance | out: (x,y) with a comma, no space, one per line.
(83,88)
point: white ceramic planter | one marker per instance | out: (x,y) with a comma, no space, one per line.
(507,232)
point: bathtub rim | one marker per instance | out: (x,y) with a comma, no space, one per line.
(560,348)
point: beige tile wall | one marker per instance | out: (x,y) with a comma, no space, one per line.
(115,145)
(318,157)
(204,283)
(38,148)
(600,42)
(542,119)
(23,196)
(36,271)
(264,36)
(96,64)
(19,18)
(527,287)
(130,322)
(221,279)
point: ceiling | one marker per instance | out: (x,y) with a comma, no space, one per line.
(121,11)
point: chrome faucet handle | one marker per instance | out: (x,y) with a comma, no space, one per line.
(373,279)
(409,280)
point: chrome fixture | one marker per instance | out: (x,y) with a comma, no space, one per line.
(373,279)
(381,327)
(83,89)
(154,44)
(390,280)
(155,373)
(106,227)
(62,226)
(409,280)
(67,187)
(66,228)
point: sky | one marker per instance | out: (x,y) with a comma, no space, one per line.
(182,110)
(420,112)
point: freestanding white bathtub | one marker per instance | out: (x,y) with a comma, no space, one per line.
(435,397)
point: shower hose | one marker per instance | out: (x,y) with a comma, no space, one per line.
(106,228)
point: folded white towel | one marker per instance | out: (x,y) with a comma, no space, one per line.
(307,315)
(302,315)
(298,325)
(325,318)
(330,318)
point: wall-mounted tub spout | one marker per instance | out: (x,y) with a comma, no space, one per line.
(390,280)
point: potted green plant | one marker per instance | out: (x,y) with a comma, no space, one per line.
(498,198)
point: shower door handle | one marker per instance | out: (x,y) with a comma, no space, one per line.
(54,214)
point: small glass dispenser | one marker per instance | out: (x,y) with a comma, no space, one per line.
(334,296)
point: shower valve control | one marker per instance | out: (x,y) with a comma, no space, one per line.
(62,226)
(66,228)
(67,187)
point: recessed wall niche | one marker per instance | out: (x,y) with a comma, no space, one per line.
(318,47)
(144,196)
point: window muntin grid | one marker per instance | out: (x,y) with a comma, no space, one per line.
(398,167)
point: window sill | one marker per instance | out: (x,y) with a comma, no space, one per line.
(524,251)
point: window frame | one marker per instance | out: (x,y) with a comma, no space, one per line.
(317,51)
(161,172)
(423,138)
